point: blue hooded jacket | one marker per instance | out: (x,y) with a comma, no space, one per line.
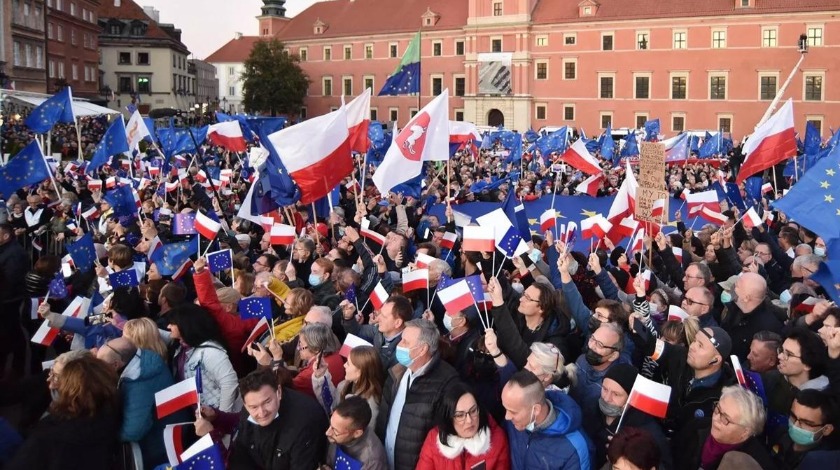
(561,446)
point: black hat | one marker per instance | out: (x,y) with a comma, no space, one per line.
(623,374)
(616,254)
(720,340)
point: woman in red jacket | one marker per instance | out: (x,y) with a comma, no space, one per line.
(466,437)
(317,346)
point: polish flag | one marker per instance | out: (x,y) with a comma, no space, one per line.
(176,397)
(591,185)
(379,296)
(91,213)
(260,328)
(697,201)
(169,187)
(676,313)
(227,135)
(207,227)
(317,165)
(182,270)
(569,233)
(627,227)
(423,260)
(769,218)
(548,219)
(751,218)
(646,274)
(596,226)
(358,121)
(457,297)
(267,221)
(771,143)
(78,308)
(478,238)
(638,242)
(226,175)
(424,138)
(658,209)
(807,305)
(448,240)
(624,203)
(579,157)
(415,280)
(350,342)
(713,216)
(111,183)
(282,234)
(650,397)
(173,440)
(678,253)
(45,335)
(684,194)
(201,176)
(95,185)
(739,371)
(373,236)
(766,188)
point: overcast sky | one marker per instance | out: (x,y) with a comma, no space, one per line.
(207,25)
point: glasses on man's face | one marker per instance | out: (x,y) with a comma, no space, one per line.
(795,420)
(461,416)
(601,345)
(52,376)
(693,302)
(726,420)
(335,432)
(786,354)
(761,253)
(525,297)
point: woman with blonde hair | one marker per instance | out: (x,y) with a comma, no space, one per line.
(144,334)
(297,302)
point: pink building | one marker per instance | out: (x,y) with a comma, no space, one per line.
(713,64)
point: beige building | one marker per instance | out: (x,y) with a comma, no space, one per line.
(22,45)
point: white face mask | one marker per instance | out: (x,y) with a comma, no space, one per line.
(654,307)
(819,251)
(447,323)
(533,423)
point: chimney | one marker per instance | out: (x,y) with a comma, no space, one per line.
(117,3)
(237,36)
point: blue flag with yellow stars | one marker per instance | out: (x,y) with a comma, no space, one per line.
(343,461)
(26,168)
(170,257)
(57,108)
(814,201)
(208,459)
(113,142)
(255,307)
(220,260)
(57,287)
(127,278)
(83,253)
(121,200)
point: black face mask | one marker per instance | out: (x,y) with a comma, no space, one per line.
(593,358)
(796,279)
(594,324)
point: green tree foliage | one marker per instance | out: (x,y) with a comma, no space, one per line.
(273,81)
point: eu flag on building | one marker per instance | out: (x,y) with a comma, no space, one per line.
(57,108)
(113,142)
(220,260)
(406,78)
(170,257)
(26,168)
(255,307)
(83,253)
(127,278)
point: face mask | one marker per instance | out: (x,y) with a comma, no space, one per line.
(725,297)
(237,206)
(785,297)
(535,255)
(654,307)
(403,356)
(594,323)
(804,437)
(447,323)
(593,358)
(314,280)
(608,409)
(819,251)
(533,423)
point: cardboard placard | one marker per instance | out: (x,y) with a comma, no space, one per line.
(652,185)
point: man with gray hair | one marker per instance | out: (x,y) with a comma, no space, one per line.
(748,313)
(412,394)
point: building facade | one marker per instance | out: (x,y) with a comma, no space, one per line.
(72,47)
(206,85)
(142,60)
(23,45)
(229,62)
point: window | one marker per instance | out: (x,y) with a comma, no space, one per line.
(606,87)
(569,69)
(725,123)
(124,58)
(115,29)
(232,91)
(816,121)
(52,69)
(437,48)
(606,42)
(144,85)
(327,84)
(124,84)
(815,36)
(143,58)
(327,53)
(460,86)
(231,71)
(717,88)
(497,8)
(72,9)
(61,70)
(677,123)
(680,39)
(394,114)
(49,30)
(745,3)
(606,120)
(813,87)
(542,70)
(347,83)
(437,86)
(28,55)
(368,51)
(39,57)
(459,115)
(413,112)
(496,45)
(767,87)
(459,47)
(542,41)
(369,83)
(72,36)
(718,39)
(17,60)
(540,112)
(392,50)
(569,112)
(768,37)
(570,39)
(87,74)
(641,119)
(642,88)
(348,52)
(643,40)
(59,5)
(303,54)
(679,87)
(60,33)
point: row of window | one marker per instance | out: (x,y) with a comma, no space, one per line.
(393,51)
(459,86)
(28,55)
(56,70)
(87,15)
(57,32)
(767,86)
(27,15)
(393,113)
(125,58)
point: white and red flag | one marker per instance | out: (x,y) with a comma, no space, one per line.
(259,329)
(136,130)
(579,157)
(678,253)
(713,216)
(228,135)
(548,220)
(457,297)
(766,188)
(423,260)
(650,397)
(697,201)
(478,238)
(591,185)
(176,397)
(658,209)
(207,227)
(751,218)
(771,143)
(358,121)
(350,342)
(282,234)
(415,280)
(596,226)
(448,240)
(379,296)
(676,313)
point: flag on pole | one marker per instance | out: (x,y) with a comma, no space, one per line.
(259,329)
(358,121)
(456,297)
(57,108)
(406,77)
(415,280)
(595,226)
(676,313)
(650,397)
(221,260)
(227,135)
(379,296)
(548,220)
(255,307)
(350,342)
(751,218)
(173,440)
(136,130)
(591,185)
(207,227)
(771,143)
(448,240)
(423,260)
(478,238)
(579,157)
(26,168)
(713,216)
(282,234)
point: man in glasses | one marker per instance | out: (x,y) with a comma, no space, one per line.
(811,419)
(348,436)
(699,302)
(747,313)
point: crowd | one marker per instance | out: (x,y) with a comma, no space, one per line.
(539,376)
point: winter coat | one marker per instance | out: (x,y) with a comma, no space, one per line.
(387,349)
(488,446)
(94,335)
(303,381)
(561,446)
(742,327)
(554,330)
(587,390)
(220,386)
(13,263)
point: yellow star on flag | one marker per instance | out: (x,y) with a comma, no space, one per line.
(829,198)
(588,213)
(825,185)
(829,172)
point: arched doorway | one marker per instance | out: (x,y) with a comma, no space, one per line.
(495,118)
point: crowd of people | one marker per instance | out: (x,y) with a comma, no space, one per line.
(539,375)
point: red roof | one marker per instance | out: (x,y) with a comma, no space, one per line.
(128,10)
(236,50)
(565,11)
(347,18)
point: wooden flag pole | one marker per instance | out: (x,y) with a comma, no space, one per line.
(315,219)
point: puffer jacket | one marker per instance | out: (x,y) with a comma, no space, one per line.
(488,446)
(422,407)
(561,446)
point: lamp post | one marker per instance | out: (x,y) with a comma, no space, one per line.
(803,49)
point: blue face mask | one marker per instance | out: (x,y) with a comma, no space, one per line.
(725,297)
(535,255)
(804,437)
(403,356)
(819,251)
(785,296)
(314,280)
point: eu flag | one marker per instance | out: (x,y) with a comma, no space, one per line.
(184,224)
(83,253)
(828,276)
(220,260)
(652,129)
(554,142)
(515,212)
(57,108)
(711,145)
(26,168)
(208,459)
(631,147)
(814,201)
(113,142)
(607,145)
(510,243)
(170,257)
(343,461)
(406,78)
(255,307)
(121,200)
(275,187)
(127,278)
(812,139)
(57,287)
(350,295)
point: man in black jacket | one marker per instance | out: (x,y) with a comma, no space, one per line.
(748,313)
(14,263)
(279,428)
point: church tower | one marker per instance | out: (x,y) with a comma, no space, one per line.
(273,17)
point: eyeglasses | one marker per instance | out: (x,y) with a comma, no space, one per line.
(785,353)
(525,297)
(461,416)
(761,253)
(693,302)
(336,432)
(694,277)
(600,344)
(260,264)
(726,420)
(797,420)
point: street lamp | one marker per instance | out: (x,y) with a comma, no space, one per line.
(802,49)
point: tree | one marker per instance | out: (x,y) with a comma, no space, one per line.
(273,81)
